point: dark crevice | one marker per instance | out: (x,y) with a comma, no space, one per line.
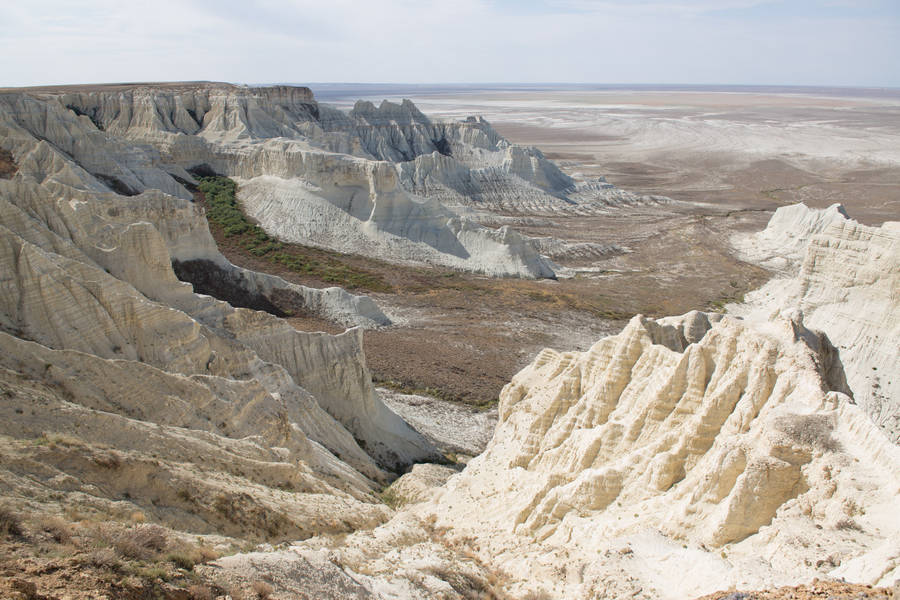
(90,114)
(230,286)
(443,146)
(202,170)
(193,114)
(117,185)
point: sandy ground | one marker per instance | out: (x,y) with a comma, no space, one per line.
(453,428)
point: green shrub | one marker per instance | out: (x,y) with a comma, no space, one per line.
(223,210)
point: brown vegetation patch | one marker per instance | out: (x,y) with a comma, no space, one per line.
(8,166)
(80,560)
(817,590)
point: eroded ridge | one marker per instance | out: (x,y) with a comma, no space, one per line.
(843,278)
(701,443)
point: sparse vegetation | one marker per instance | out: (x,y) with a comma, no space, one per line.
(201,592)
(540,594)
(224,211)
(10,522)
(56,528)
(810,430)
(142,542)
(393,499)
(262,590)
(847,524)
(8,166)
(108,556)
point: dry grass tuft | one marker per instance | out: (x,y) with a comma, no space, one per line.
(848,524)
(470,586)
(809,430)
(142,542)
(187,555)
(262,589)
(58,529)
(10,522)
(103,558)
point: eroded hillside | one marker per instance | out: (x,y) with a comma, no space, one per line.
(148,429)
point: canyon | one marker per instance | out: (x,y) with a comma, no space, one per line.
(158,371)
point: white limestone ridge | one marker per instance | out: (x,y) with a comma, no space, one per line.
(843,277)
(263,136)
(468,163)
(103,344)
(782,244)
(682,456)
(313,174)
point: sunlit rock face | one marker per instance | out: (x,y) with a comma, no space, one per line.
(385,180)
(844,278)
(734,448)
(197,399)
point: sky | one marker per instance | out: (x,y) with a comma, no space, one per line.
(754,42)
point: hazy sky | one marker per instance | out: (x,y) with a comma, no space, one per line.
(802,42)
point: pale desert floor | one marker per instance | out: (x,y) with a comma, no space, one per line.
(740,149)
(729,159)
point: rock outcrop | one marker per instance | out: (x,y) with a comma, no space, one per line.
(700,445)
(744,449)
(123,389)
(305,179)
(386,177)
(843,277)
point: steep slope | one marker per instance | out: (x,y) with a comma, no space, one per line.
(468,164)
(683,455)
(699,445)
(386,177)
(844,278)
(293,161)
(124,390)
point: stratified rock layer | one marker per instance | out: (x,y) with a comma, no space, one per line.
(680,456)
(843,277)
(147,395)
(371,178)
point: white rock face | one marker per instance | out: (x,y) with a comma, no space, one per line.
(698,444)
(843,278)
(782,244)
(388,223)
(386,177)
(303,166)
(217,419)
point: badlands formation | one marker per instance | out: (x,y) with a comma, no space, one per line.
(369,181)
(200,415)
(681,456)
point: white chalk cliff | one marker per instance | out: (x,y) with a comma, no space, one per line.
(683,455)
(308,173)
(844,278)
(104,346)
(386,177)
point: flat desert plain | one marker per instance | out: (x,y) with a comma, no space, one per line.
(747,150)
